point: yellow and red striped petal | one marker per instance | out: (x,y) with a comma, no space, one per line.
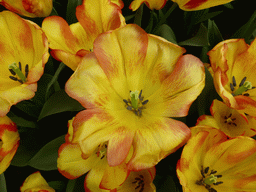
(95,91)
(152,4)
(35,182)
(156,141)
(29,8)
(23,43)
(193,5)
(9,142)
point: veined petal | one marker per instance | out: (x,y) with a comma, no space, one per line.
(207,120)
(99,16)
(35,182)
(96,90)
(119,146)
(179,89)
(29,8)
(153,143)
(152,4)
(70,162)
(193,5)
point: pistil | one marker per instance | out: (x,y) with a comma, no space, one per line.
(16,70)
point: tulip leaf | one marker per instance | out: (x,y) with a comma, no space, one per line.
(71,11)
(2,183)
(138,15)
(200,39)
(166,32)
(214,34)
(165,184)
(46,158)
(57,185)
(59,102)
(76,185)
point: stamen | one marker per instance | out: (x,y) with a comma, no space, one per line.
(242,81)
(234,81)
(232,87)
(26,70)
(144,102)
(12,72)
(18,72)
(244,87)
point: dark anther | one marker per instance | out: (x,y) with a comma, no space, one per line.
(102,156)
(232,87)
(20,66)
(12,72)
(213,172)
(145,102)
(206,170)
(202,173)
(140,95)
(126,102)
(217,183)
(242,82)
(234,81)
(253,87)
(218,176)
(13,78)
(212,190)
(129,108)
(26,70)
(246,94)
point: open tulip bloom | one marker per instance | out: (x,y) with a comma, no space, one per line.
(24,52)
(210,162)
(130,85)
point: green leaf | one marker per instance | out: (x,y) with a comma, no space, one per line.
(59,102)
(165,184)
(76,185)
(214,34)
(138,15)
(200,39)
(71,11)
(2,183)
(57,185)
(20,122)
(46,158)
(246,31)
(166,32)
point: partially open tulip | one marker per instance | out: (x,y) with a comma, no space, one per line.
(70,43)
(72,164)
(130,85)
(234,70)
(36,183)
(152,4)
(193,5)
(9,142)
(24,52)
(211,162)
(29,8)
(229,120)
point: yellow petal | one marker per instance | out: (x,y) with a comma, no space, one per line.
(152,4)
(207,120)
(70,162)
(9,142)
(29,8)
(192,5)
(35,182)
(153,143)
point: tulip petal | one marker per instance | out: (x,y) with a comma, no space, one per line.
(153,143)
(70,161)
(152,4)
(91,93)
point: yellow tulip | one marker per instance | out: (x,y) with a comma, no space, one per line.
(24,52)
(130,85)
(70,43)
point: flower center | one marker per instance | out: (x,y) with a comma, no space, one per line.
(139,183)
(135,103)
(102,150)
(229,120)
(208,179)
(17,74)
(243,87)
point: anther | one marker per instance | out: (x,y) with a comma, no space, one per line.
(234,81)
(126,102)
(206,170)
(26,70)
(20,66)
(145,102)
(232,87)
(12,72)
(129,108)
(246,94)
(242,81)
